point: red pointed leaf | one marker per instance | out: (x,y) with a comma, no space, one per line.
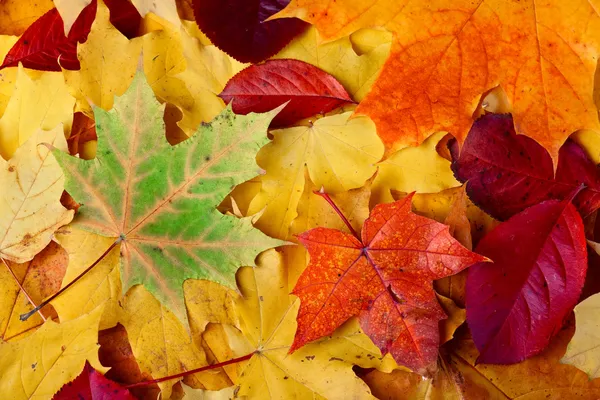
(385,279)
(238,27)
(44,43)
(92,385)
(125,17)
(261,88)
(506,172)
(516,304)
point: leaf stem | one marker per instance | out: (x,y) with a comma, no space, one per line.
(24,317)
(23,289)
(192,371)
(329,200)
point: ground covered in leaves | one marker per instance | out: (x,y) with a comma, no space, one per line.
(290,199)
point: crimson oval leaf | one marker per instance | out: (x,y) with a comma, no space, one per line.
(506,172)
(92,385)
(238,27)
(261,88)
(518,303)
(44,43)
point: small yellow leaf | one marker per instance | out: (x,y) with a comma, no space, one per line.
(108,64)
(340,154)
(43,103)
(30,210)
(413,169)
(356,73)
(101,285)
(38,366)
(161,344)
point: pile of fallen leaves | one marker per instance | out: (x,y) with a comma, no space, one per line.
(274,199)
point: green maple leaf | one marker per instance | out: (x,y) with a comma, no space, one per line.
(161,199)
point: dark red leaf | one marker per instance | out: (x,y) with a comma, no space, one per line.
(261,88)
(238,27)
(92,385)
(124,16)
(44,44)
(506,172)
(518,303)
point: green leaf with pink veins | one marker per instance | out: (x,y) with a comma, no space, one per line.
(162,199)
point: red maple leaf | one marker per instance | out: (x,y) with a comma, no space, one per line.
(384,278)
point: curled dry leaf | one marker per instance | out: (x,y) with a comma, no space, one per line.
(517,303)
(307,89)
(32,183)
(240,27)
(542,54)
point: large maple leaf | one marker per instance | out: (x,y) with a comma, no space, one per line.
(447,53)
(161,199)
(385,279)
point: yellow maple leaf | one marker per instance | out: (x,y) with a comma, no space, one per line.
(338,58)
(338,152)
(101,285)
(41,103)
(37,366)
(39,278)
(108,64)
(30,210)
(161,344)
(448,53)
(267,319)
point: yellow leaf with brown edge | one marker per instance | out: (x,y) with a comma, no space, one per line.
(40,278)
(415,169)
(186,72)
(268,322)
(108,64)
(446,54)
(339,152)
(41,103)
(161,344)
(30,209)
(38,366)
(338,58)
(17,15)
(101,285)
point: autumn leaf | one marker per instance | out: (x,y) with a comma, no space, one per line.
(384,278)
(517,303)
(92,385)
(338,152)
(160,200)
(45,46)
(582,350)
(543,55)
(31,211)
(166,9)
(17,15)
(241,29)
(506,172)
(261,88)
(37,366)
(38,278)
(53,106)
(356,72)
(267,317)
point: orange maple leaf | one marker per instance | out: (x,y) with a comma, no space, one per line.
(447,53)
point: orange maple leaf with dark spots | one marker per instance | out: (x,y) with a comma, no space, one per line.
(384,278)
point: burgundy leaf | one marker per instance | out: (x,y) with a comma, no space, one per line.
(261,88)
(44,44)
(92,385)
(124,16)
(506,172)
(518,303)
(238,27)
